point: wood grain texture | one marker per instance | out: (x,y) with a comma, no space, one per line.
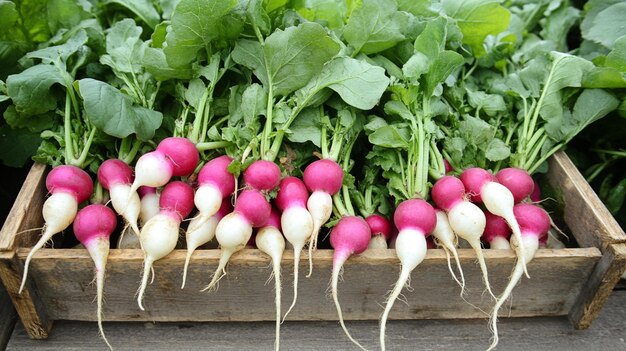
(516,334)
(26,211)
(63,279)
(587,217)
(8,317)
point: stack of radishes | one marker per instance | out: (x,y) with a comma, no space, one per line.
(473,206)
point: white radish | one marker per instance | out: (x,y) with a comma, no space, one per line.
(444,236)
(117,177)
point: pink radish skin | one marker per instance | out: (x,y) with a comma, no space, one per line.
(381,231)
(160,234)
(270,240)
(201,232)
(350,236)
(69,186)
(497,232)
(93,226)
(415,220)
(535,196)
(262,175)
(215,184)
(518,181)
(117,177)
(445,238)
(323,178)
(447,166)
(482,187)
(235,230)
(182,154)
(466,219)
(296,223)
(534,224)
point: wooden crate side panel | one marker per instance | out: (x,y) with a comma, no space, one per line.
(243,295)
(8,317)
(26,211)
(586,216)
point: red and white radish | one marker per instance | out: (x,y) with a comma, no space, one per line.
(149,207)
(534,224)
(350,236)
(415,220)
(483,187)
(117,177)
(235,230)
(93,227)
(296,222)
(159,235)
(270,240)
(69,186)
(381,231)
(323,178)
(518,181)
(202,232)
(444,237)
(214,184)
(497,232)
(262,175)
(466,219)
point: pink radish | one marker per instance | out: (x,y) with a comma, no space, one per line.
(381,231)
(270,240)
(415,220)
(116,176)
(497,232)
(214,184)
(447,166)
(535,196)
(198,234)
(534,224)
(160,234)
(69,186)
(323,178)
(234,230)
(444,236)
(149,207)
(93,226)
(482,187)
(262,175)
(466,219)
(172,157)
(296,222)
(350,236)
(518,181)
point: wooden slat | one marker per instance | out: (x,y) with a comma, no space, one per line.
(586,216)
(63,277)
(8,317)
(26,211)
(599,287)
(28,304)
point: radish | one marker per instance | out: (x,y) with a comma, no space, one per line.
(296,222)
(534,224)
(466,219)
(381,231)
(518,181)
(535,196)
(482,187)
(444,236)
(350,236)
(172,157)
(198,234)
(69,186)
(497,232)
(159,235)
(93,226)
(149,207)
(270,240)
(215,184)
(234,230)
(415,220)
(116,176)
(323,178)
(262,175)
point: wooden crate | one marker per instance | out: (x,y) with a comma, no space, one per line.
(574,282)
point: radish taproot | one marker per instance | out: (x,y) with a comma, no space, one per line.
(69,186)
(159,235)
(415,220)
(117,177)
(148,208)
(381,231)
(444,237)
(350,236)
(93,227)
(296,222)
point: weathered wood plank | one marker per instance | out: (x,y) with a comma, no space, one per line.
(26,211)
(8,317)
(516,334)
(587,217)
(63,280)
